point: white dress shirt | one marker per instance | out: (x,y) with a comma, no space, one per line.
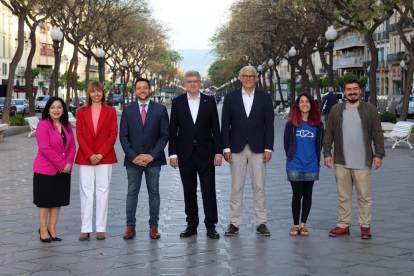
(248,103)
(140,106)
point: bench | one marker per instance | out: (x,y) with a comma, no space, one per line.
(400,133)
(277,110)
(285,113)
(72,119)
(118,110)
(33,121)
(3,128)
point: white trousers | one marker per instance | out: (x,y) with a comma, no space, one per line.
(88,176)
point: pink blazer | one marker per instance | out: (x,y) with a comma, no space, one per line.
(52,157)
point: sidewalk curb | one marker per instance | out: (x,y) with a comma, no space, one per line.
(13,130)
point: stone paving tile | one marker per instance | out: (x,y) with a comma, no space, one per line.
(389,252)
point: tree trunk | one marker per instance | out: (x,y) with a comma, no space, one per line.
(52,79)
(126,80)
(69,84)
(74,79)
(29,86)
(304,75)
(132,89)
(264,85)
(373,72)
(315,80)
(88,66)
(12,72)
(407,85)
(280,87)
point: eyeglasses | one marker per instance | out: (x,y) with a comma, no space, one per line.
(248,76)
(191,82)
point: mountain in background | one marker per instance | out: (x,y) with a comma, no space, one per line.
(199,60)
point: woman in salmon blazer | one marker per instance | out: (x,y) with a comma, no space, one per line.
(53,166)
(96,130)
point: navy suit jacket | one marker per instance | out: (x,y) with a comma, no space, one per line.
(150,138)
(205,132)
(237,129)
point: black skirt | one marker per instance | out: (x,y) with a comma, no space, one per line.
(51,190)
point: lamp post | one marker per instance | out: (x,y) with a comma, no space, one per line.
(232,84)
(154,76)
(160,78)
(124,65)
(271,63)
(235,82)
(57,36)
(260,69)
(292,54)
(136,71)
(330,35)
(402,65)
(146,73)
(345,72)
(100,53)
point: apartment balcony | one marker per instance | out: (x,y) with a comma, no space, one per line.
(324,71)
(381,36)
(397,57)
(92,68)
(350,62)
(349,42)
(405,27)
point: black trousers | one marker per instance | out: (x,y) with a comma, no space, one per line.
(301,189)
(206,172)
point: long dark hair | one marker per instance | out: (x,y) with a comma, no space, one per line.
(64,119)
(314,115)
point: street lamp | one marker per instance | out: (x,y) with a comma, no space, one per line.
(136,71)
(271,63)
(124,65)
(154,76)
(330,35)
(260,69)
(292,54)
(100,53)
(160,78)
(146,73)
(345,72)
(232,83)
(235,82)
(402,65)
(57,36)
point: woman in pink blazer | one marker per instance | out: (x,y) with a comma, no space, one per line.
(52,166)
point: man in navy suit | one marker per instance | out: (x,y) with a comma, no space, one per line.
(143,135)
(248,135)
(195,147)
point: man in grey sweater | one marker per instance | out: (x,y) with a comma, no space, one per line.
(353,126)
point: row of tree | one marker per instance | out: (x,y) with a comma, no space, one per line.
(263,29)
(123,28)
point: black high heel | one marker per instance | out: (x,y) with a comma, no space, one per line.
(54,238)
(48,240)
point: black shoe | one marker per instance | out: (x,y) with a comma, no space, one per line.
(48,240)
(262,230)
(212,233)
(54,238)
(188,232)
(231,230)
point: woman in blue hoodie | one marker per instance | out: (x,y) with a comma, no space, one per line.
(302,142)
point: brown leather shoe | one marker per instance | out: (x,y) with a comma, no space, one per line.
(84,236)
(100,235)
(154,233)
(130,233)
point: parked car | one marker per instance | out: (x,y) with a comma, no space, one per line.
(13,108)
(40,103)
(398,108)
(83,98)
(388,102)
(22,106)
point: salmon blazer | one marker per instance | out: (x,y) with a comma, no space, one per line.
(104,140)
(52,156)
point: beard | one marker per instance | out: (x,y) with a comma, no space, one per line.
(352,101)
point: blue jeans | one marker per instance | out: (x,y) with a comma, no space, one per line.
(152,176)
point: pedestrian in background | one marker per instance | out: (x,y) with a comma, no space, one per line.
(143,135)
(353,126)
(248,135)
(302,143)
(53,166)
(328,102)
(195,148)
(96,130)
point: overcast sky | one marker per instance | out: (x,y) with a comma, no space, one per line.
(192,22)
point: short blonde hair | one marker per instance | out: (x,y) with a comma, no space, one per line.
(96,85)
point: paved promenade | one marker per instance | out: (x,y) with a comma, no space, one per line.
(389,252)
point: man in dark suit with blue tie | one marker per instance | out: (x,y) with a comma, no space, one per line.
(195,147)
(248,136)
(144,135)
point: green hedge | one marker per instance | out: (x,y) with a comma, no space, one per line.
(387,116)
(18,120)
